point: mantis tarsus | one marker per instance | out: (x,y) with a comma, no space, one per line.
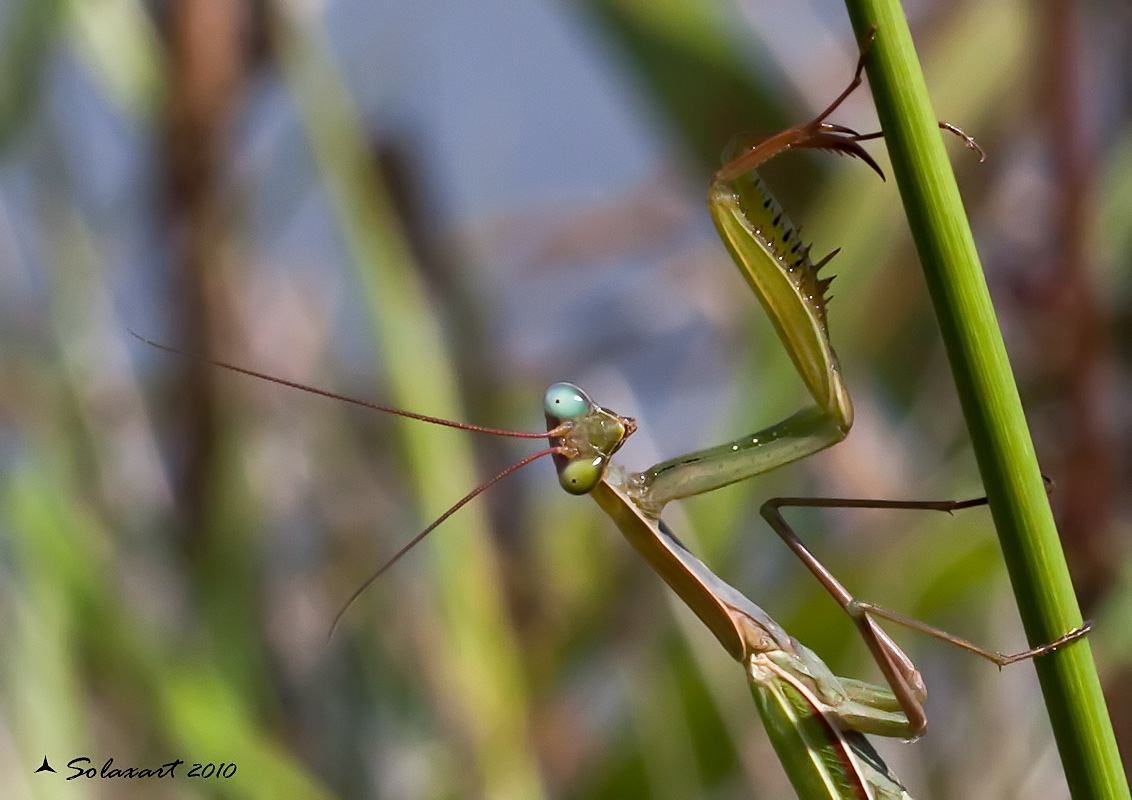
(815,719)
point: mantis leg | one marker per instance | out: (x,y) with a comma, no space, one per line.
(815,134)
(967,138)
(819,134)
(1001,659)
(777,266)
(898,669)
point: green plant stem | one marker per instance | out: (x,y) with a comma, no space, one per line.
(990,402)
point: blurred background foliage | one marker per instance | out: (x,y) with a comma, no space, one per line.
(448,206)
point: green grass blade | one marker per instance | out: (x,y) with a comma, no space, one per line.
(990,402)
(481,661)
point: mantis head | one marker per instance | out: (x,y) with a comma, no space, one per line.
(584,436)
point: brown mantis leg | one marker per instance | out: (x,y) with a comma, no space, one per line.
(815,134)
(821,135)
(892,661)
(967,138)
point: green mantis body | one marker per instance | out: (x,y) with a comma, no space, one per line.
(816,720)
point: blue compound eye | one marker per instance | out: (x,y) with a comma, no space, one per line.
(566,401)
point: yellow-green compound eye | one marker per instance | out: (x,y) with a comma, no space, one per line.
(579,476)
(566,401)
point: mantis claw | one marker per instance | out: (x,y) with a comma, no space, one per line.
(843,141)
(968,140)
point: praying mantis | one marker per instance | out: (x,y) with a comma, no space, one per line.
(816,721)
